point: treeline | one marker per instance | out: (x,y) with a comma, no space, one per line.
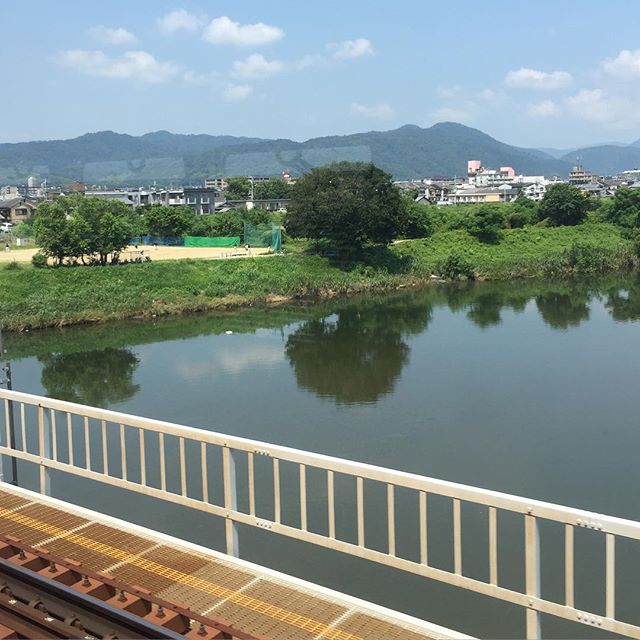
(86,230)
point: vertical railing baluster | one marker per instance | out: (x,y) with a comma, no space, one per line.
(252,485)
(87,445)
(331,512)
(569,572)
(424,552)
(163,468)
(183,470)
(7,423)
(54,434)
(391,520)
(610,550)
(44,449)
(230,501)
(457,538)
(360,510)
(276,490)
(123,452)
(143,463)
(493,545)
(303,497)
(532,575)
(204,472)
(23,427)
(70,438)
(105,451)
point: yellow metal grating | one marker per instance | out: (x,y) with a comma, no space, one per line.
(364,626)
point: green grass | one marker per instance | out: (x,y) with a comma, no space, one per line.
(34,298)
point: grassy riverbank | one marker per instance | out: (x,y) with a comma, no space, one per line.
(32,298)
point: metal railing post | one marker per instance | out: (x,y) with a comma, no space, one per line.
(230,501)
(532,575)
(44,449)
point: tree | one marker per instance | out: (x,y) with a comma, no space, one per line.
(485,222)
(564,204)
(348,204)
(418,223)
(624,208)
(237,189)
(166,221)
(273,189)
(79,227)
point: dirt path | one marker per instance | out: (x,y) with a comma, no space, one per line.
(155,253)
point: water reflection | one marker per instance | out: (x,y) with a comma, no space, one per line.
(563,310)
(97,378)
(356,355)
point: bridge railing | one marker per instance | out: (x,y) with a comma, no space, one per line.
(250,483)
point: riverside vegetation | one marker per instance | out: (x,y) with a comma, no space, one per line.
(483,242)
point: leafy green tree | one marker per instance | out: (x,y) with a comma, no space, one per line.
(166,221)
(624,208)
(521,212)
(347,204)
(237,189)
(53,233)
(485,223)
(563,204)
(273,189)
(78,227)
(418,224)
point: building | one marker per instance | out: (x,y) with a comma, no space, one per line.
(203,200)
(468,194)
(579,175)
(216,183)
(16,209)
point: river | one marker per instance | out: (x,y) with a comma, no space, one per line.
(528,387)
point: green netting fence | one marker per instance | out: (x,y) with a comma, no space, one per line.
(199,241)
(263,235)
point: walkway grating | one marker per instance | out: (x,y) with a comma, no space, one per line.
(262,603)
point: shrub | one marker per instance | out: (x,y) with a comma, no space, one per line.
(14,265)
(485,223)
(454,267)
(39,260)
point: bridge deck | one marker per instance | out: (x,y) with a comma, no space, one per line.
(252,598)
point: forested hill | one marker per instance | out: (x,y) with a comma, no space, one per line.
(118,159)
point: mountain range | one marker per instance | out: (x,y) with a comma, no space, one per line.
(408,152)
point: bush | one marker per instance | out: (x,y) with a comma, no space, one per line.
(14,265)
(564,204)
(454,267)
(485,223)
(39,260)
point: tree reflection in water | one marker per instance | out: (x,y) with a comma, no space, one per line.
(356,355)
(96,378)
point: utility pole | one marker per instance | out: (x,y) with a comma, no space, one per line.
(5,378)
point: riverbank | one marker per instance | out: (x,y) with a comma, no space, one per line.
(35,298)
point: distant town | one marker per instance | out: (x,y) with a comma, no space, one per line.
(481,185)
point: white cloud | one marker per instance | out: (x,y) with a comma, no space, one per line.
(256,66)
(452,114)
(533,79)
(488,95)
(137,65)
(236,92)
(381,111)
(625,65)
(445,93)
(107,35)
(543,109)
(350,49)
(596,105)
(201,79)
(179,20)
(225,31)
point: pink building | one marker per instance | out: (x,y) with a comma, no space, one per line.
(473,166)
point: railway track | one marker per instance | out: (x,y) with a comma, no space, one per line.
(43,596)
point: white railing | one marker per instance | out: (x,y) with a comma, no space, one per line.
(213,472)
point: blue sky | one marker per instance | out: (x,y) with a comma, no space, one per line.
(558,73)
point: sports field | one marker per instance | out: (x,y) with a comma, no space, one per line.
(156,253)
